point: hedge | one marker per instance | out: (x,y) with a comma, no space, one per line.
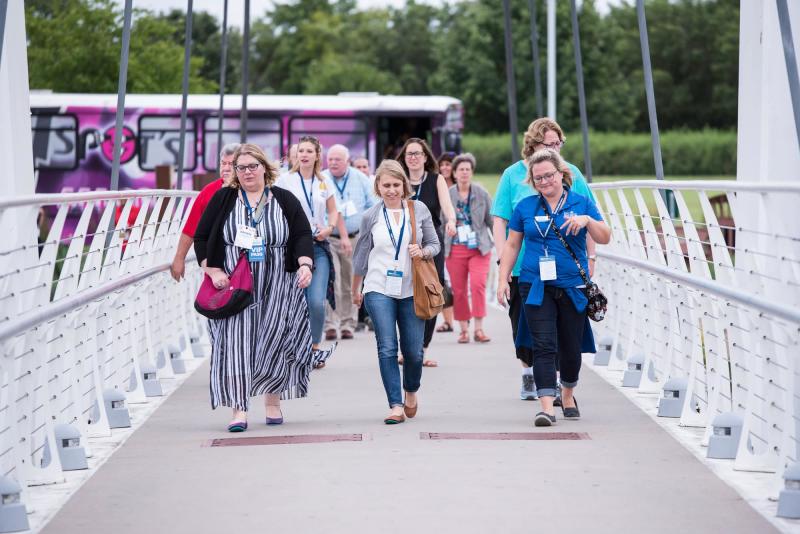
(695,153)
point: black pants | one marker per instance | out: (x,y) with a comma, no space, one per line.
(514,310)
(430,324)
(557,330)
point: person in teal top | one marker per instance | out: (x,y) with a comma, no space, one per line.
(512,189)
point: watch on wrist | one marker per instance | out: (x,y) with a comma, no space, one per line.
(310,267)
(593,257)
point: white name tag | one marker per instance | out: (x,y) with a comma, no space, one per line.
(542,218)
(349,209)
(394,283)
(245,236)
(463,233)
(547,268)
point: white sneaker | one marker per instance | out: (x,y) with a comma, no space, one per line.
(528,391)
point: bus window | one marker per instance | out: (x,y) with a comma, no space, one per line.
(262,131)
(159,142)
(55,141)
(393,132)
(350,132)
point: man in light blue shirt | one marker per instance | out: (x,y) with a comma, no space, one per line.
(354,195)
(542,133)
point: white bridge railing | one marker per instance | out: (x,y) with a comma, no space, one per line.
(90,320)
(705,309)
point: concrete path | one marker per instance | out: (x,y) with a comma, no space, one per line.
(630,476)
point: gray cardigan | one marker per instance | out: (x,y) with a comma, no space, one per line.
(430,242)
(480,208)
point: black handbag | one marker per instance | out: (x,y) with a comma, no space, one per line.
(598,303)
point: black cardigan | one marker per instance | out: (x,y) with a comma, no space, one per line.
(210,245)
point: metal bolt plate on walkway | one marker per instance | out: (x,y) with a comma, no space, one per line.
(285,440)
(506,436)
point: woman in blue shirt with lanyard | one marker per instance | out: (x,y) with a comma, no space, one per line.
(315,193)
(382,260)
(550,282)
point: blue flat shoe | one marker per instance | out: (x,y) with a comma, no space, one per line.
(237,426)
(275,420)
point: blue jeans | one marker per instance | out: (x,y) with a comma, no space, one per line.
(557,331)
(315,293)
(387,315)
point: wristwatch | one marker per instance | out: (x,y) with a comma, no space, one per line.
(593,257)
(309,265)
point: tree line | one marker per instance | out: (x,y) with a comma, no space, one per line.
(456,49)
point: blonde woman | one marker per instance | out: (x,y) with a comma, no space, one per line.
(550,282)
(315,193)
(382,261)
(266,348)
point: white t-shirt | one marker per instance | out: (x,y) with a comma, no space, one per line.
(381,257)
(319,193)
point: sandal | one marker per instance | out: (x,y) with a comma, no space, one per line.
(445,327)
(481,337)
(463,337)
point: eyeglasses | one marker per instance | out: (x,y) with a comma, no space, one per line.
(545,177)
(415,154)
(553,146)
(242,168)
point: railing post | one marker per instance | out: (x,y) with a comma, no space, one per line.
(576,39)
(511,84)
(223,65)
(537,74)
(121,92)
(187,56)
(245,72)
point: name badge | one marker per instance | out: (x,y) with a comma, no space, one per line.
(245,236)
(542,218)
(472,240)
(463,233)
(547,268)
(394,283)
(258,251)
(349,209)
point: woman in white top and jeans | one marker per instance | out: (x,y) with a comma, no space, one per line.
(382,260)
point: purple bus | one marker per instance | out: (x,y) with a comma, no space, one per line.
(73,134)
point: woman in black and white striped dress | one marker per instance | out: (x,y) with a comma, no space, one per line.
(265,349)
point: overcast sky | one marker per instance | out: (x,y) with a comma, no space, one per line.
(258,7)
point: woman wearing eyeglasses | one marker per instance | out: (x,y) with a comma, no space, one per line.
(266,348)
(315,193)
(430,188)
(550,281)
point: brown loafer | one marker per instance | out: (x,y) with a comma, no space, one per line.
(330,334)
(394,419)
(347,334)
(410,411)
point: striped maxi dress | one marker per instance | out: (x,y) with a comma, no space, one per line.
(267,347)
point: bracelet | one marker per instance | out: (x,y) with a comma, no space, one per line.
(310,266)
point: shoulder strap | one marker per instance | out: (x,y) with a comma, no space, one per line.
(564,242)
(413,222)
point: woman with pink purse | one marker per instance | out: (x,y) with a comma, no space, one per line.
(264,348)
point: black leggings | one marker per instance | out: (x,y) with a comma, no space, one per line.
(430,324)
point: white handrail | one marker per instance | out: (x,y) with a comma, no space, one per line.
(700,185)
(58,198)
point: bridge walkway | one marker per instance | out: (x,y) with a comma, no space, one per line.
(628,476)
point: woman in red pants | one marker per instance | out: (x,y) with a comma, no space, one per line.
(468,252)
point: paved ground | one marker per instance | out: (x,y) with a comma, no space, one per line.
(629,477)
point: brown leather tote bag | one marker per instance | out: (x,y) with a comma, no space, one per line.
(428,291)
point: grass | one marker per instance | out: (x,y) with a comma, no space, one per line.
(489,181)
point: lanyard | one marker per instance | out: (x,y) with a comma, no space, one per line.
(344,183)
(466,211)
(552,217)
(252,213)
(308,193)
(418,187)
(399,243)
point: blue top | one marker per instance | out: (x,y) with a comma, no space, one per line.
(524,220)
(512,189)
(353,187)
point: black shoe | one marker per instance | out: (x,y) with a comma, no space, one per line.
(557,400)
(572,413)
(543,419)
